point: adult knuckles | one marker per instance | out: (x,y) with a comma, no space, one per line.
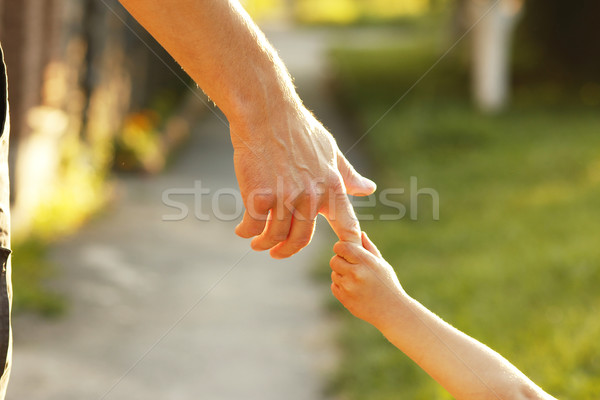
(290,192)
(260,204)
(310,195)
(336,184)
(306,206)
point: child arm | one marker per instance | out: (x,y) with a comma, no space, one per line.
(368,287)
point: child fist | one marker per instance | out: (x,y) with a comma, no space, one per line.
(364,282)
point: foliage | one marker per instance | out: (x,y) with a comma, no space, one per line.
(31,269)
(558,41)
(79,191)
(384,74)
(353,11)
(339,12)
(139,147)
(143,144)
(261,10)
(513,260)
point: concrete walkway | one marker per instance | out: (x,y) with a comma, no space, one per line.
(183,309)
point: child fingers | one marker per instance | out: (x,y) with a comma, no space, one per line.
(351,252)
(368,244)
(340,265)
(336,277)
(344,250)
(336,290)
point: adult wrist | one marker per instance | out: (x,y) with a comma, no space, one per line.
(263,121)
(269,101)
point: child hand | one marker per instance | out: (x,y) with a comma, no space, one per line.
(364,282)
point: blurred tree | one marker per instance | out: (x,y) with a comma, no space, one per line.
(561,40)
(493,23)
(359,11)
(290,10)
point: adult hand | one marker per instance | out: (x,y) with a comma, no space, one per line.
(289,170)
(288,166)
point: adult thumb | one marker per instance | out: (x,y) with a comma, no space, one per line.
(356,184)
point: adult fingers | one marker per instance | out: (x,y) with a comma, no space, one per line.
(255,216)
(341,217)
(250,227)
(276,231)
(301,232)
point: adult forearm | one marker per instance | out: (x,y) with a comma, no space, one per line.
(287,164)
(465,367)
(220,47)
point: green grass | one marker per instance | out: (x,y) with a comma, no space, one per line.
(30,272)
(514,259)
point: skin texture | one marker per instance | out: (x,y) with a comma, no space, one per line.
(369,288)
(288,166)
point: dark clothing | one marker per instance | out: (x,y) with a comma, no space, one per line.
(5,285)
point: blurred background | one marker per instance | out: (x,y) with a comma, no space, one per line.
(493,103)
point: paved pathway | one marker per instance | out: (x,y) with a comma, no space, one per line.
(183,310)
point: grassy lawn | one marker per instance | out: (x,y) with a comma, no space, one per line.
(31,270)
(514,259)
